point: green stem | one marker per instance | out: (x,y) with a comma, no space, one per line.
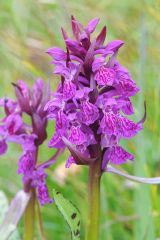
(29,218)
(94,201)
(43,237)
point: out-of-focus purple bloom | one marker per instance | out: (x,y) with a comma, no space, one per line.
(27,163)
(92,99)
(3,147)
(13,128)
(69,162)
(39,181)
(43,195)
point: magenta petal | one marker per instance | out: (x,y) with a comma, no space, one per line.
(105,76)
(60,68)
(52,106)
(83,93)
(3,147)
(26,163)
(69,90)
(61,121)
(114,45)
(13,123)
(26,141)
(76,28)
(101,37)
(127,128)
(126,85)
(76,136)
(126,105)
(24,89)
(74,47)
(57,53)
(37,92)
(43,195)
(69,162)
(56,141)
(92,25)
(39,127)
(97,63)
(23,96)
(38,177)
(89,113)
(9,105)
(118,155)
(89,57)
(108,123)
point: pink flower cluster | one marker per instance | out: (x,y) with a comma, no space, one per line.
(92,101)
(13,128)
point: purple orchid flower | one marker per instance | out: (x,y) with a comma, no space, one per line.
(92,101)
(30,137)
(91,109)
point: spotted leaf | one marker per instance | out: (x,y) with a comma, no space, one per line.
(69,212)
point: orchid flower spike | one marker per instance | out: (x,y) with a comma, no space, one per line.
(92,104)
(13,128)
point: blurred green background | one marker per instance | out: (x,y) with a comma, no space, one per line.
(28,28)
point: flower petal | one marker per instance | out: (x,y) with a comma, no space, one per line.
(105,76)
(118,155)
(26,163)
(108,123)
(69,90)
(127,128)
(57,53)
(69,162)
(56,141)
(114,45)
(97,63)
(3,147)
(101,37)
(92,25)
(43,195)
(89,113)
(76,136)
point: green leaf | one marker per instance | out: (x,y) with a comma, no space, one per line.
(69,212)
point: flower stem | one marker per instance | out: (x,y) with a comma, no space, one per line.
(94,200)
(29,218)
(43,237)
